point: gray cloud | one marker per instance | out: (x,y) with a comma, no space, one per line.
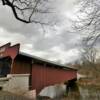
(58,44)
(67,39)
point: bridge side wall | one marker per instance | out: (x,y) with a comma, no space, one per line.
(21,65)
(43,76)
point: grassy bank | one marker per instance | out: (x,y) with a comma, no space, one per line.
(10,96)
(89,82)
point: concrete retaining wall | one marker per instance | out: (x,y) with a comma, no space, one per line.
(16,83)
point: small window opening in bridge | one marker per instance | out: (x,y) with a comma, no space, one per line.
(5,66)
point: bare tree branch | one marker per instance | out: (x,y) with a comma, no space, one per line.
(89,21)
(26,10)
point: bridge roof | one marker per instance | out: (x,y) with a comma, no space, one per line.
(47,61)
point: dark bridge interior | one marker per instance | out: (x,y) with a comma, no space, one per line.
(5,66)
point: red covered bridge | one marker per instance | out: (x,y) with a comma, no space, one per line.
(42,72)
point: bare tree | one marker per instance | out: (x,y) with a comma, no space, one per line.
(89,55)
(88,20)
(88,24)
(29,11)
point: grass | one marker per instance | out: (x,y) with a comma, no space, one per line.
(10,96)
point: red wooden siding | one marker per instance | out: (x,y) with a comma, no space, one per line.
(44,76)
(11,51)
(21,65)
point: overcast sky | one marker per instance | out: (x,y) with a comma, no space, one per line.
(57,43)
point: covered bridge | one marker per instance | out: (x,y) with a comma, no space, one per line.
(42,72)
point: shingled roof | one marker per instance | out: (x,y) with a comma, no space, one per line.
(46,61)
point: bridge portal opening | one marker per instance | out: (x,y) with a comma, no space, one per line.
(5,66)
